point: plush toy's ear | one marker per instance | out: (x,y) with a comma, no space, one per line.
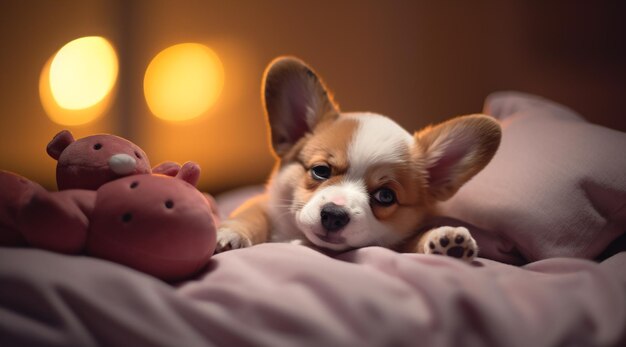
(59,143)
(190,173)
(168,168)
(295,101)
(454,151)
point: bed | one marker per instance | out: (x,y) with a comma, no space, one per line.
(548,213)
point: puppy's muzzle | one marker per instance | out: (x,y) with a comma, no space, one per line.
(334,217)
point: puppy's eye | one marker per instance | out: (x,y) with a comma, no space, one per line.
(320,172)
(384,196)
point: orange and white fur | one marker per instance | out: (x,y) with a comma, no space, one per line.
(349,180)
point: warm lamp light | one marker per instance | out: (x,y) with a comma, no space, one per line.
(183,81)
(83,72)
(75,84)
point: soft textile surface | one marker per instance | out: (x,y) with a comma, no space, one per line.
(556,187)
(288,295)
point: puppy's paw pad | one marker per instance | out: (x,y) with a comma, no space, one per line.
(228,239)
(453,242)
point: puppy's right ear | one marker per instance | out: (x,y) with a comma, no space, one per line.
(295,101)
(454,151)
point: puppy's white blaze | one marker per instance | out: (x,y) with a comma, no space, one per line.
(377,140)
(362,230)
(352,192)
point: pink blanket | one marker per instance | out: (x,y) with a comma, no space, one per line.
(556,187)
(287,295)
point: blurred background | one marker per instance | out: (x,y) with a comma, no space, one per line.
(182,78)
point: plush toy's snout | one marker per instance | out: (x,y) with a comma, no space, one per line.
(122,164)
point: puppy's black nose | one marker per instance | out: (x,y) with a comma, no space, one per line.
(334,217)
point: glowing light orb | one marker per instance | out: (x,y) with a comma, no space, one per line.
(75,84)
(83,72)
(183,81)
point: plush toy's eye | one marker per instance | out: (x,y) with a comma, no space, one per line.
(384,196)
(137,155)
(97,146)
(320,172)
(127,217)
(134,185)
(169,204)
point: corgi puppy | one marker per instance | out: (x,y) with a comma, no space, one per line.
(350,180)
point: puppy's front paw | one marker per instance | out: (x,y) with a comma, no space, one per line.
(453,242)
(228,239)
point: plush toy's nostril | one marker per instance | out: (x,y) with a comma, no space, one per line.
(122,164)
(127,217)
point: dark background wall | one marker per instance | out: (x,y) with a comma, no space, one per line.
(418,62)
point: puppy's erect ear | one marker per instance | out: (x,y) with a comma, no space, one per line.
(454,151)
(295,101)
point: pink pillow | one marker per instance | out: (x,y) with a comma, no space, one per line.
(556,187)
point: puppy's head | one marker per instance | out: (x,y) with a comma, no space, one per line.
(350,180)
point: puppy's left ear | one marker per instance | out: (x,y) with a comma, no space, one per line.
(454,151)
(295,101)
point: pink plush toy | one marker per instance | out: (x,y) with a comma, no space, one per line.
(112,205)
(90,162)
(157,224)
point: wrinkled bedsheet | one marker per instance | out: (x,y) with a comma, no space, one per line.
(289,295)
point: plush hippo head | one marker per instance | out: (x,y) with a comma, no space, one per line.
(90,162)
(157,224)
